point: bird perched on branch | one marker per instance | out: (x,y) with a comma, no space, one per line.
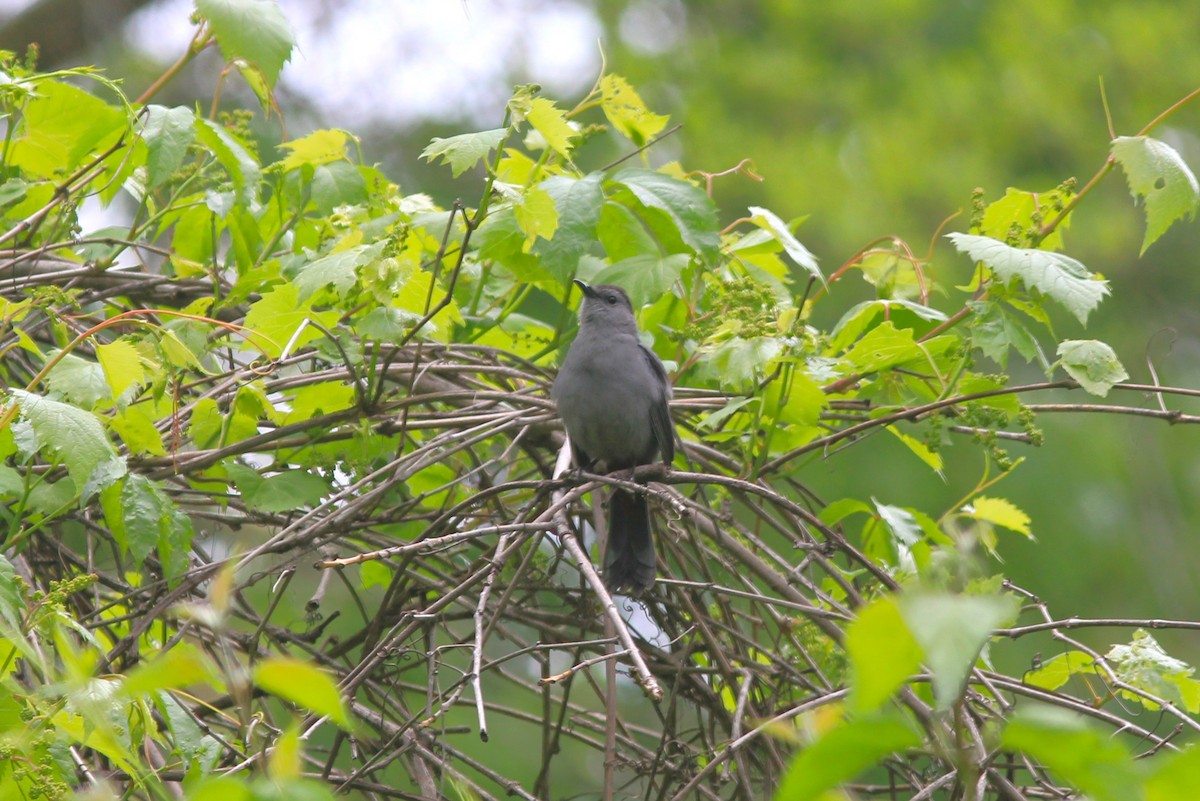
(612,394)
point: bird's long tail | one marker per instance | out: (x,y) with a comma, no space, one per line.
(629,562)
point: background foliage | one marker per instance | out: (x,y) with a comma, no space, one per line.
(279,485)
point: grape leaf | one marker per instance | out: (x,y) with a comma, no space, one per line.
(278,315)
(1000,512)
(168,133)
(319,147)
(645,278)
(578,201)
(304,685)
(690,210)
(464,151)
(767,220)
(626,111)
(237,161)
(1157,173)
(548,120)
(842,753)
(1093,364)
(252,30)
(74,436)
(882,654)
(336,269)
(122,365)
(1060,277)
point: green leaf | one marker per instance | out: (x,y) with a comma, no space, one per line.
(338,269)
(168,133)
(1144,664)
(464,151)
(1093,364)
(1157,173)
(626,111)
(143,517)
(135,426)
(882,347)
(282,492)
(882,654)
(182,666)
(952,630)
(1000,512)
(1019,207)
(122,365)
(277,316)
(578,202)
(74,436)
(768,221)
(842,753)
(994,331)
(61,127)
(375,574)
(78,380)
(242,167)
(918,447)
(12,600)
(622,234)
(645,278)
(737,359)
(1087,759)
(319,147)
(1058,670)
(1174,776)
(536,216)
(688,207)
(338,183)
(1059,277)
(304,685)
(548,120)
(252,30)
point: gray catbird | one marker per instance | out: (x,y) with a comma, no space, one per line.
(612,395)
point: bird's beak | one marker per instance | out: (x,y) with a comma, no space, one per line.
(587,290)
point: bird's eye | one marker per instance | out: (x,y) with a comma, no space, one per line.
(611,300)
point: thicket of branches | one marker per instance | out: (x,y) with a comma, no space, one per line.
(286,509)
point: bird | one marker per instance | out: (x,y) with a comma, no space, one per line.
(612,394)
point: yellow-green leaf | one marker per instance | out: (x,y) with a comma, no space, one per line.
(627,112)
(180,667)
(1002,513)
(122,365)
(319,147)
(304,685)
(548,120)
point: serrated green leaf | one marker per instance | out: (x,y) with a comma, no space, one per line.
(122,365)
(1020,207)
(277,316)
(737,359)
(1058,670)
(303,685)
(386,324)
(622,234)
(252,30)
(78,380)
(338,183)
(1093,364)
(536,216)
(242,167)
(548,120)
(768,221)
(578,202)
(882,654)
(12,601)
(168,132)
(1143,663)
(338,269)
(645,278)
(952,630)
(882,347)
(135,426)
(464,151)
(1087,759)
(1157,173)
(1059,277)
(75,437)
(319,147)
(842,753)
(690,210)
(1000,512)
(627,112)
(61,127)
(794,399)
(143,517)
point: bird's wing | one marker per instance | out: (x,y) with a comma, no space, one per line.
(660,412)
